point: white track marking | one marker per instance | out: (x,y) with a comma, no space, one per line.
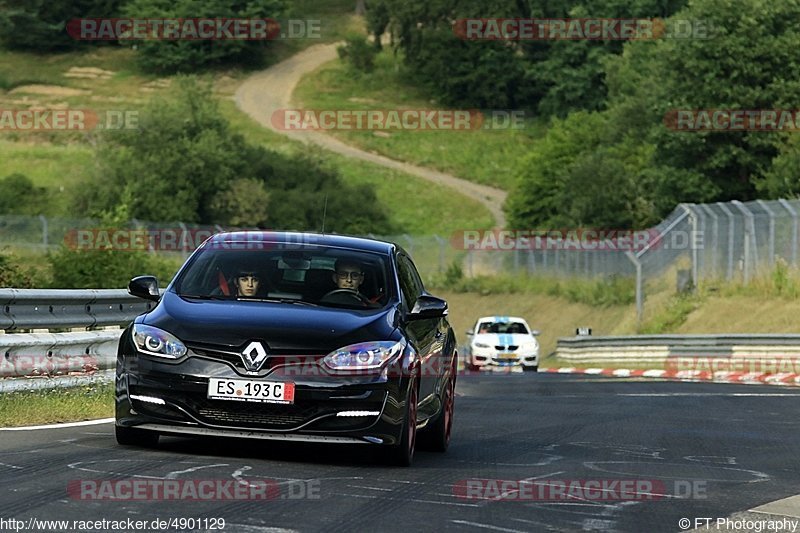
(64,425)
(486,526)
(176,473)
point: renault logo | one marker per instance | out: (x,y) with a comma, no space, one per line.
(254,356)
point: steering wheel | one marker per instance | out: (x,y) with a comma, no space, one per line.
(337,294)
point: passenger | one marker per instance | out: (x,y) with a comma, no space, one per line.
(247,283)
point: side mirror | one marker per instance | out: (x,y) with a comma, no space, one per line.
(428,306)
(535,332)
(144,287)
(469,332)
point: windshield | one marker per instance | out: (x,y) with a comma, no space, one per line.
(314,275)
(502,327)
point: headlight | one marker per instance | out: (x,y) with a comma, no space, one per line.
(364,355)
(481,345)
(157,342)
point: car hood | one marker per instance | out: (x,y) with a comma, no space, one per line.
(503,339)
(289,327)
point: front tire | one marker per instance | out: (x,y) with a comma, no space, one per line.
(402,453)
(534,368)
(136,437)
(437,437)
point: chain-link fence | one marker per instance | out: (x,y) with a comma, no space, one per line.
(730,241)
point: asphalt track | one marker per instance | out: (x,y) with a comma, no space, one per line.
(709,450)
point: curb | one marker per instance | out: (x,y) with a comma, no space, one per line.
(748,378)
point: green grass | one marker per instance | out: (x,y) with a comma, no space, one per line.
(483,156)
(414,204)
(56,405)
(596,292)
(336,18)
(58,168)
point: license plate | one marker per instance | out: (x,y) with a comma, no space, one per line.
(247,390)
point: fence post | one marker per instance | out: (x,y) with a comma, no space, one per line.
(771,243)
(639,286)
(730,238)
(45,242)
(693,223)
(410,244)
(786,205)
(441,243)
(749,239)
(714,225)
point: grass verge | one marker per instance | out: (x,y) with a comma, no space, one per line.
(485,156)
(56,405)
(414,204)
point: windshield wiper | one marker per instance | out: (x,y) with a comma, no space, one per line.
(207,296)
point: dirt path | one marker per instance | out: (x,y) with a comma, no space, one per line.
(269,90)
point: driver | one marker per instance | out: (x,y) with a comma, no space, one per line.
(348,275)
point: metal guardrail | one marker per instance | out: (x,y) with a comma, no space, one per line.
(46,360)
(68,308)
(657,348)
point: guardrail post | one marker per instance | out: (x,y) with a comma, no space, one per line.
(786,205)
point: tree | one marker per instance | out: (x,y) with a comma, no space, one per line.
(168,56)
(40,25)
(185,164)
(20,196)
(749,62)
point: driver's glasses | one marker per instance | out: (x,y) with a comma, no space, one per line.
(349,275)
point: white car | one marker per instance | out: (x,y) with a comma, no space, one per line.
(502,341)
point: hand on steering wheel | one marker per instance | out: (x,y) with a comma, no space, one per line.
(347,292)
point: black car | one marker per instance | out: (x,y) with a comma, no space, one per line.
(256,338)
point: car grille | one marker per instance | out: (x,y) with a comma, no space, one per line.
(242,413)
(245,414)
(224,353)
(504,348)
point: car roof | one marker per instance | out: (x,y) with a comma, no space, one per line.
(299,238)
(502,318)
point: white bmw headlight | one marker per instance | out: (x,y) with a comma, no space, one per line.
(364,355)
(157,342)
(481,345)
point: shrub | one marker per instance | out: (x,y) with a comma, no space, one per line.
(105,269)
(20,196)
(12,274)
(358,53)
